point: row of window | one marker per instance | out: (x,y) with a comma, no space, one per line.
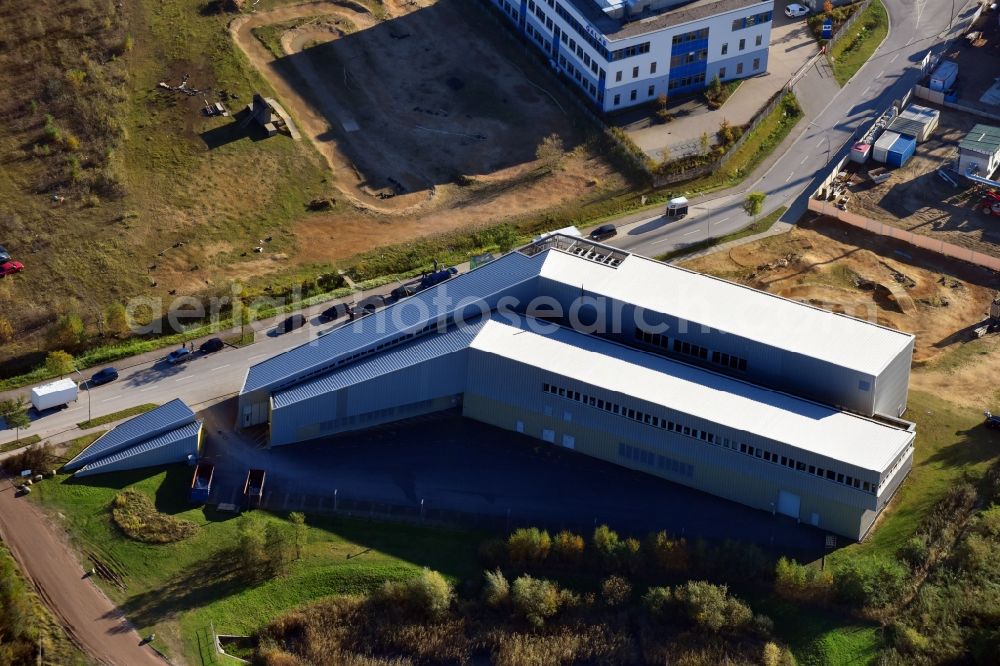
(584,83)
(655,460)
(690,36)
(377,415)
(635,72)
(708,437)
(688,58)
(751,21)
(664,342)
(685,81)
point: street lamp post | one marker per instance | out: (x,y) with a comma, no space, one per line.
(80,387)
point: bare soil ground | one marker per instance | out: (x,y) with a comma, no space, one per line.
(402,107)
(845,270)
(917,199)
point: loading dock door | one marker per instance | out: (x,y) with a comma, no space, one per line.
(788,504)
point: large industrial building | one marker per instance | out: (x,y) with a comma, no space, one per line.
(622,53)
(762,400)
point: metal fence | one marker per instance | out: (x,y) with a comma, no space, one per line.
(845,28)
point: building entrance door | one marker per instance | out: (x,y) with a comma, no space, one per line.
(788,504)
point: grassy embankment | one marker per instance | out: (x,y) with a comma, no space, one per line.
(179,590)
(851,53)
(116,416)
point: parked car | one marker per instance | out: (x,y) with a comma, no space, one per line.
(371,304)
(796,10)
(403,292)
(211,345)
(4,255)
(991,421)
(604,232)
(292,323)
(335,312)
(178,355)
(105,376)
(10,267)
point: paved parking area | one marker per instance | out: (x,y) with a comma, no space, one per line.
(447,467)
(791,46)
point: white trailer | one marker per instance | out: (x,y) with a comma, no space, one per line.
(55,394)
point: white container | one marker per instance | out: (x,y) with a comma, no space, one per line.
(55,394)
(882,146)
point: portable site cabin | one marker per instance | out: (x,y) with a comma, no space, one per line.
(894,149)
(861,152)
(979,151)
(916,121)
(943,77)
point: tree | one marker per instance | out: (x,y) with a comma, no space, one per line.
(278,543)
(550,152)
(616,590)
(726,134)
(528,545)
(496,591)
(715,87)
(505,237)
(827,7)
(535,599)
(298,521)
(705,143)
(669,554)
(69,330)
(6,331)
(59,363)
(250,546)
(876,582)
(116,320)
(567,547)
(607,545)
(14,413)
(754,204)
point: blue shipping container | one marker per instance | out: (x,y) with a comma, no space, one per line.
(902,150)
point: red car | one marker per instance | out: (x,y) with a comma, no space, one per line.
(10,267)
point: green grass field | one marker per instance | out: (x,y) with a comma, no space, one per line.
(116,416)
(180,590)
(853,51)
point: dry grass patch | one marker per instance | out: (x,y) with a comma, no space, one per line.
(136,515)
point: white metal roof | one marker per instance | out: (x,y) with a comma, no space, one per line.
(54,387)
(735,309)
(731,403)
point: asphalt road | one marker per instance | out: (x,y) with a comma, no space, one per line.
(916,26)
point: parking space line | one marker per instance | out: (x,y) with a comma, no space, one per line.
(220,367)
(116,397)
(789,176)
(804,158)
(893,58)
(693,231)
(180,379)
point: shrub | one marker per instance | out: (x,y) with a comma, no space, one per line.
(607,545)
(658,601)
(135,515)
(567,547)
(875,582)
(908,640)
(6,331)
(496,592)
(711,607)
(427,596)
(493,552)
(915,551)
(616,590)
(671,555)
(798,581)
(528,545)
(116,320)
(536,600)
(726,134)
(68,331)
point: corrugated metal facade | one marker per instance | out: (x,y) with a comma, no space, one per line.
(167,448)
(169,416)
(418,377)
(518,404)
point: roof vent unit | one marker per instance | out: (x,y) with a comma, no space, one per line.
(636,7)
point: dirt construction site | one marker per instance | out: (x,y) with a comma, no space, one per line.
(408,102)
(840,268)
(918,199)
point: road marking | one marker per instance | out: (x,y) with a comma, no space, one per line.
(256,356)
(662,240)
(220,367)
(180,379)
(893,58)
(820,143)
(865,91)
(789,176)
(879,75)
(803,160)
(693,231)
(148,388)
(720,221)
(110,399)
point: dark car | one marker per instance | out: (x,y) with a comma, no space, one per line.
(4,255)
(992,421)
(105,376)
(178,355)
(211,345)
(405,291)
(604,232)
(371,304)
(335,312)
(292,323)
